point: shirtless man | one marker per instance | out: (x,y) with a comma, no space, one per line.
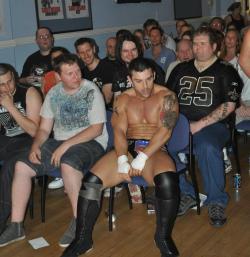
(143,119)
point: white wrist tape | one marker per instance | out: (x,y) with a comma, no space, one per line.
(139,162)
(123,165)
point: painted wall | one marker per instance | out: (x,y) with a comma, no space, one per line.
(17,39)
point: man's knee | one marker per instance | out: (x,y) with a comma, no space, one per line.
(167,185)
(24,169)
(91,187)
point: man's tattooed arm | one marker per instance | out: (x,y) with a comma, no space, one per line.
(219,113)
(169,112)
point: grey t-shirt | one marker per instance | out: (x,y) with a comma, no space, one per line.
(74,113)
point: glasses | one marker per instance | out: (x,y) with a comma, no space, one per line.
(44,36)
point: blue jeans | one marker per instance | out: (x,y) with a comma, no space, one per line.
(207,145)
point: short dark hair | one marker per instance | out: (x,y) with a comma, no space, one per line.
(119,44)
(65,59)
(150,22)
(122,32)
(50,31)
(140,64)
(6,67)
(207,31)
(222,22)
(59,48)
(157,28)
(90,41)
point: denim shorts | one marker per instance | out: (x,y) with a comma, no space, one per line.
(80,156)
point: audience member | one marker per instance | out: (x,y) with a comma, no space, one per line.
(39,62)
(231,47)
(48,81)
(19,120)
(167,40)
(217,23)
(184,53)
(94,69)
(235,16)
(79,141)
(142,115)
(139,33)
(178,25)
(158,52)
(208,90)
(127,49)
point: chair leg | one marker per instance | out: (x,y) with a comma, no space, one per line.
(236,152)
(192,174)
(129,196)
(111,207)
(31,200)
(43,196)
(143,194)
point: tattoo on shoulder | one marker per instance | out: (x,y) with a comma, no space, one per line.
(169,114)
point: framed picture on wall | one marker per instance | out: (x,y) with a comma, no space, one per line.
(64,15)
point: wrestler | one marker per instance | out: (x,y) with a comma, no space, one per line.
(143,119)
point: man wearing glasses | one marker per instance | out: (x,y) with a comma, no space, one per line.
(39,62)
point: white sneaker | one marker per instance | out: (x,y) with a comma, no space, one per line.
(56,183)
(227,166)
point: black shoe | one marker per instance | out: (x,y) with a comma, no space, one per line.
(217,215)
(78,247)
(187,202)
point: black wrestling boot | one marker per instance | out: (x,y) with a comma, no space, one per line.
(166,206)
(88,209)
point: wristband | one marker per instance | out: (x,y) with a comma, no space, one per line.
(123,165)
(139,162)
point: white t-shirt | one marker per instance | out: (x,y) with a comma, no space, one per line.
(74,113)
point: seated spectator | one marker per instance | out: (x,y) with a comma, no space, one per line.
(95,69)
(231,47)
(235,16)
(79,141)
(217,23)
(127,49)
(49,80)
(184,52)
(207,109)
(139,33)
(178,25)
(19,120)
(162,55)
(167,40)
(39,62)
(110,50)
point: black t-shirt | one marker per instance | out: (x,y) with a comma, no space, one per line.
(101,75)
(36,64)
(122,83)
(200,93)
(9,126)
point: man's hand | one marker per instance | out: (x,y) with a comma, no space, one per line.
(58,153)
(123,167)
(138,164)
(35,155)
(195,127)
(6,100)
